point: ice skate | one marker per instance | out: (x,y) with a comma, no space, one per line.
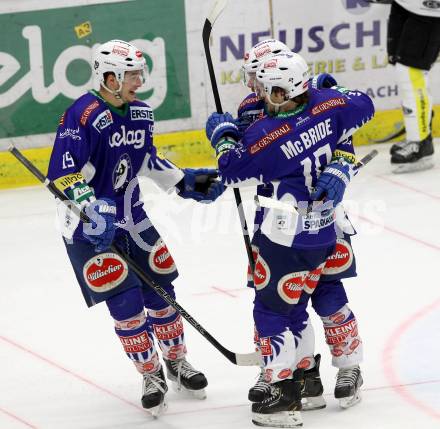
(348,383)
(260,390)
(154,388)
(282,407)
(185,378)
(413,156)
(311,394)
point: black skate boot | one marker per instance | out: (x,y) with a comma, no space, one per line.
(399,145)
(282,407)
(348,383)
(311,395)
(260,390)
(414,156)
(186,378)
(154,388)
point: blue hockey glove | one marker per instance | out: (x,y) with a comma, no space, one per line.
(322,80)
(200,185)
(332,182)
(101,232)
(222,131)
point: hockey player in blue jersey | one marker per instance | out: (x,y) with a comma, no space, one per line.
(302,147)
(103,144)
(249,110)
(329,297)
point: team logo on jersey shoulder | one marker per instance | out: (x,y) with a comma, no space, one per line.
(160,259)
(122,173)
(341,258)
(103,120)
(105,272)
(141,113)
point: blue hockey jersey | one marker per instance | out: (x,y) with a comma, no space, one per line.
(101,150)
(289,151)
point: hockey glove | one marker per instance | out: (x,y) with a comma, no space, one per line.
(332,182)
(200,185)
(322,80)
(222,131)
(101,231)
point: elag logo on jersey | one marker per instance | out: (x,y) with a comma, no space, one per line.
(269,139)
(135,138)
(103,120)
(160,259)
(341,258)
(169,331)
(105,272)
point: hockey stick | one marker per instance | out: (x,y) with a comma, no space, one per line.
(207,28)
(246,359)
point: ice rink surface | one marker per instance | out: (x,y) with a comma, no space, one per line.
(61,365)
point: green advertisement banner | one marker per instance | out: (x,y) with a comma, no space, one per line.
(45,59)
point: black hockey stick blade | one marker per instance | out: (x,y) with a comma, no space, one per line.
(366,159)
(245,359)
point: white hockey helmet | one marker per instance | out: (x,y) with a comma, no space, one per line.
(117,56)
(258,53)
(288,71)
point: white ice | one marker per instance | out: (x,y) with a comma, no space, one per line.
(61,365)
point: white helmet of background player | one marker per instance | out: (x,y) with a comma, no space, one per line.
(118,57)
(287,71)
(256,55)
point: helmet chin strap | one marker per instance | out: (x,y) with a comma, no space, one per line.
(276,106)
(117,93)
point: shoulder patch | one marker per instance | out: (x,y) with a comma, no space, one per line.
(328,105)
(87,112)
(247,101)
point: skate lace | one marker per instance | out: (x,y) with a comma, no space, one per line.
(183,369)
(152,383)
(409,148)
(347,377)
(261,384)
(274,392)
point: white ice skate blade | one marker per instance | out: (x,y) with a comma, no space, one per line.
(350,401)
(313,403)
(159,410)
(422,164)
(282,419)
(197,394)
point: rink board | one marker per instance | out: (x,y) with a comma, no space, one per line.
(192,148)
